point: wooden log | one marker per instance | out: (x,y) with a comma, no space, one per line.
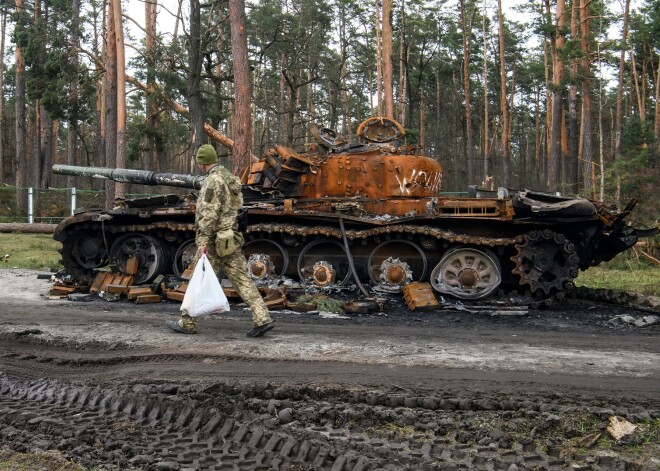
(28,228)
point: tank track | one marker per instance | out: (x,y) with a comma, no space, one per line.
(351,234)
(558,289)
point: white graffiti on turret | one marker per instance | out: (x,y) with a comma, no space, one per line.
(420,179)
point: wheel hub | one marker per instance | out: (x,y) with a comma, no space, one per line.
(395,273)
(323,274)
(468,278)
(260,267)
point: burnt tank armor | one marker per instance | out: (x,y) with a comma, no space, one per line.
(370,208)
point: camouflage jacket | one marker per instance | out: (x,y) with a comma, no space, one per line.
(218,203)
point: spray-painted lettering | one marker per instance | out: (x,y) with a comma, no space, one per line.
(419,179)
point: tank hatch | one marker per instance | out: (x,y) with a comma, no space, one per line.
(380,129)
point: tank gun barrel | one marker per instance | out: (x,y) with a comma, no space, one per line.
(127,175)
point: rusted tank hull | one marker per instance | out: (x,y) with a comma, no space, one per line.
(372,209)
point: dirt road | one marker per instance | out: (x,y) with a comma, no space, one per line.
(108,385)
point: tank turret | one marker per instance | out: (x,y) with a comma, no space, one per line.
(370,208)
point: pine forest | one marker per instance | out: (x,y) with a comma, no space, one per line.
(552,95)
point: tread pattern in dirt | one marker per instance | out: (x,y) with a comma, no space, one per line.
(135,427)
(113,428)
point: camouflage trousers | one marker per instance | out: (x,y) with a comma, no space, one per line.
(234,267)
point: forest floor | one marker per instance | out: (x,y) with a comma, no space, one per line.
(105,386)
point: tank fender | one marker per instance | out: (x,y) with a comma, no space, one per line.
(557,205)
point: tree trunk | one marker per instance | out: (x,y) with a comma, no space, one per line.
(153,140)
(100,49)
(21,125)
(35,135)
(402,67)
(537,136)
(194,72)
(71,148)
(121,93)
(467,43)
(388,88)
(488,179)
(656,127)
(46,148)
(641,109)
(242,116)
(553,181)
(543,170)
(343,42)
(111,105)
(422,124)
(379,60)
(619,95)
(506,165)
(586,98)
(179,9)
(571,174)
(3,29)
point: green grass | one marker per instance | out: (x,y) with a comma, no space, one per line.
(32,251)
(624,273)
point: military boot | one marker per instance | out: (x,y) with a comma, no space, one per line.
(185,324)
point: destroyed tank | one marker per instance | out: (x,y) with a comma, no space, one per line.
(369,210)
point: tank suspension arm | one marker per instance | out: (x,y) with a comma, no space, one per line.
(350,258)
(126,175)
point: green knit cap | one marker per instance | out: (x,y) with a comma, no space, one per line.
(206,155)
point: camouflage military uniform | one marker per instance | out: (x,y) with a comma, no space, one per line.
(219,200)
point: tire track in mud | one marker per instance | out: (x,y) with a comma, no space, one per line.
(94,423)
(261,426)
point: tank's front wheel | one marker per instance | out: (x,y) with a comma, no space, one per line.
(150,254)
(81,253)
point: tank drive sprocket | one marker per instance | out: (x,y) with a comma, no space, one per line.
(546,261)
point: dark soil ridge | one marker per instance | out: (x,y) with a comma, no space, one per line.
(263,426)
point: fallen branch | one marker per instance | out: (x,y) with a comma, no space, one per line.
(650,257)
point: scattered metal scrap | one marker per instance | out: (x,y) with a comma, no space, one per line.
(419,296)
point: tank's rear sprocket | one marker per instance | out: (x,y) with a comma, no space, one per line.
(546,261)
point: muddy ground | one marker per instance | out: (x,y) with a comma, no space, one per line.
(107,386)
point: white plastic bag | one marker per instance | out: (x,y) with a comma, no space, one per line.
(204,294)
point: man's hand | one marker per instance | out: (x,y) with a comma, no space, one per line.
(202,251)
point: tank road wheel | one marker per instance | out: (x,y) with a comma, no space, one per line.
(546,261)
(324,262)
(184,256)
(265,258)
(148,250)
(467,273)
(392,273)
(82,253)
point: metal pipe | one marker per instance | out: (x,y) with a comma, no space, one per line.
(30,206)
(73,200)
(350,258)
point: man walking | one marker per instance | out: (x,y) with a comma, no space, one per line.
(217,236)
